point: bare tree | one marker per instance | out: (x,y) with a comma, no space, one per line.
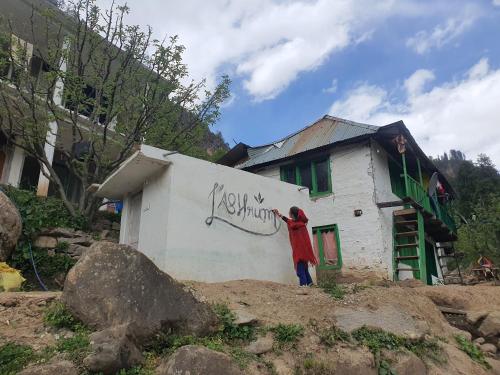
(103,83)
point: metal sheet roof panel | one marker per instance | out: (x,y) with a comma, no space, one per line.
(327,130)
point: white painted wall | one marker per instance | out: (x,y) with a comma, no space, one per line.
(360,179)
(173,231)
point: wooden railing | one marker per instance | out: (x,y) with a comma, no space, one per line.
(417,192)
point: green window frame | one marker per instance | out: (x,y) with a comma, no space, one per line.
(322,261)
(293,171)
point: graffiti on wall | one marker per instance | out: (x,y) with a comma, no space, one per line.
(242,211)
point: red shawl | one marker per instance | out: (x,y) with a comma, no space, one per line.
(299,239)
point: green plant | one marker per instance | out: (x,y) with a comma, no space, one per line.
(167,344)
(76,347)
(312,366)
(333,289)
(471,350)
(385,368)
(58,316)
(377,339)
(62,246)
(230,330)
(287,333)
(241,357)
(14,357)
(333,335)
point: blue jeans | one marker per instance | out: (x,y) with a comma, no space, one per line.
(303,273)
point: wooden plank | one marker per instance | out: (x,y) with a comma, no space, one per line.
(412,233)
(406,222)
(405,245)
(407,257)
(405,212)
(408,269)
(449,310)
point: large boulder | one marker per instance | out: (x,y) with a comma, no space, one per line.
(490,325)
(55,366)
(115,285)
(10,227)
(198,360)
(113,349)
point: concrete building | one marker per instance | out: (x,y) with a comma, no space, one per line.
(369,191)
(202,221)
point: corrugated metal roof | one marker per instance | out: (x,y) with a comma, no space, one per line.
(327,130)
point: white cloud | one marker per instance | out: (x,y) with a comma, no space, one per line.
(268,43)
(361,103)
(333,87)
(496,3)
(416,82)
(444,33)
(461,114)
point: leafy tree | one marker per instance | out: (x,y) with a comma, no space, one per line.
(121,87)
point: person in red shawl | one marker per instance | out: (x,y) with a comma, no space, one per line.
(302,251)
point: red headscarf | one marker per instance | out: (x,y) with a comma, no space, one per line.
(299,239)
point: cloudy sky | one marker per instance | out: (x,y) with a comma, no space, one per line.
(435,64)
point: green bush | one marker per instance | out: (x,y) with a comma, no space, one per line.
(76,347)
(286,334)
(58,316)
(333,335)
(472,350)
(14,357)
(37,213)
(230,330)
(333,289)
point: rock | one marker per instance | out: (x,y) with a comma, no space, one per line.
(115,284)
(111,350)
(10,227)
(479,341)
(495,366)
(354,361)
(488,348)
(490,325)
(281,367)
(198,360)
(80,240)
(75,250)
(59,232)
(244,317)
(405,363)
(261,345)
(115,226)
(475,316)
(45,242)
(59,367)
(498,344)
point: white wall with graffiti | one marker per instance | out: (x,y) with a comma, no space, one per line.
(202,221)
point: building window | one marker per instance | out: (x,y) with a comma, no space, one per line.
(326,244)
(313,174)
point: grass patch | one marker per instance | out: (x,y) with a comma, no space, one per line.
(58,316)
(241,357)
(165,344)
(472,351)
(333,335)
(14,357)
(287,334)
(231,331)
(312,366)
(333,289)
(77,347)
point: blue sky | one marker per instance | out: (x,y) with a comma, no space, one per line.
(434,64)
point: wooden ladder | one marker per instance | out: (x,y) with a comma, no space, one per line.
(445,251)
(406,242)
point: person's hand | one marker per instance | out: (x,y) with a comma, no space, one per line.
(276,212)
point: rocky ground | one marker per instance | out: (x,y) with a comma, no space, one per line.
(413,312)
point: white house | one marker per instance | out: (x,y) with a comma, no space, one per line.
(369,185)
